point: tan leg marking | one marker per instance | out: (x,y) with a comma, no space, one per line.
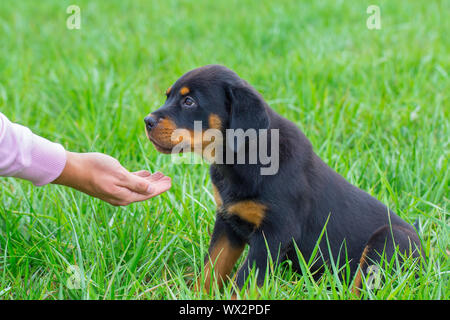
(358,279)
(221,260)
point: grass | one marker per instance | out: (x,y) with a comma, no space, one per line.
(374,103)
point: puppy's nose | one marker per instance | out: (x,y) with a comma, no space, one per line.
(150,122)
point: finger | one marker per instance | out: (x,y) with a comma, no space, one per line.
(157,175)
(142,173)
(158,187)
(137,184)
(148,175)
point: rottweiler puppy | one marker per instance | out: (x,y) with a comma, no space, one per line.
(272,212)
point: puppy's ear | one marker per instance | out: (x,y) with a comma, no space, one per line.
(247,110)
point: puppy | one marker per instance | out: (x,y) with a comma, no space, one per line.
(278,213)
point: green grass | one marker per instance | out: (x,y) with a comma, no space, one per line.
(374,103)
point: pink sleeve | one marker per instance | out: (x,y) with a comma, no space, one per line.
(28,156)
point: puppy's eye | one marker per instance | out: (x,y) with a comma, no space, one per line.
(188,102)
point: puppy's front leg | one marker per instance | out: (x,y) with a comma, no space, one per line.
(258,257)
(225,249)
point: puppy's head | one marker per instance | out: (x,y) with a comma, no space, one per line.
(213,96)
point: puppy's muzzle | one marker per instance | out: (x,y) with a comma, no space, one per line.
(150,123)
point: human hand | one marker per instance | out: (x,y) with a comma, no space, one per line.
(103,177)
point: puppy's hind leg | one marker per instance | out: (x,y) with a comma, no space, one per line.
(382,247)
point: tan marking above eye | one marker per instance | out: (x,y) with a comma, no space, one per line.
(168,90)
(248,210)
(184,91)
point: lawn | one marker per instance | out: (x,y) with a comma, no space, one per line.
(374,103)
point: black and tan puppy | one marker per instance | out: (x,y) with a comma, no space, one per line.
(272,212)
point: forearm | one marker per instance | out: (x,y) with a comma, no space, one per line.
(28,156)
(74,174)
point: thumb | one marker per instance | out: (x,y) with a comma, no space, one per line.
(138,184)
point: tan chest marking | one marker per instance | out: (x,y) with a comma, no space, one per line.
(250,211)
